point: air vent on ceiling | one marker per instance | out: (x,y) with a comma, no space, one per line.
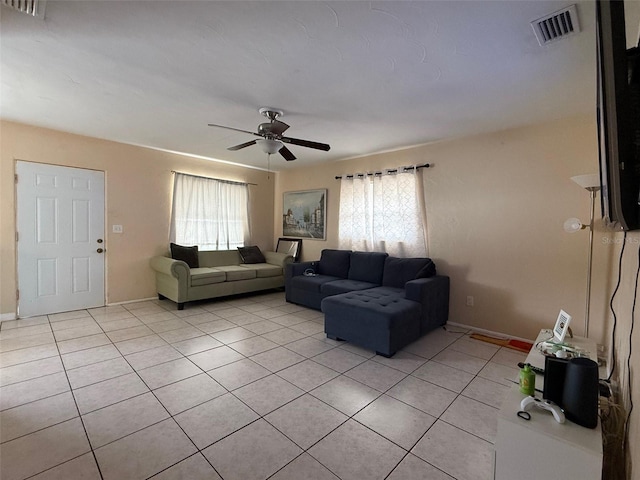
(560,24)
(30,7)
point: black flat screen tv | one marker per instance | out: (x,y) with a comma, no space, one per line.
(618,118)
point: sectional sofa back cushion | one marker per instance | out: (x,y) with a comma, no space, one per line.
(398,271)
(334,263)
(367,266)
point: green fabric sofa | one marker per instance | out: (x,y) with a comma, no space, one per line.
(221,273)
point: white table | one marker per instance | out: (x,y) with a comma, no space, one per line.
(543,448)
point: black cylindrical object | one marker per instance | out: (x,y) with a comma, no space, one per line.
(580,394)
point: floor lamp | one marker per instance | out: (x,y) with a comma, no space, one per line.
(591,183)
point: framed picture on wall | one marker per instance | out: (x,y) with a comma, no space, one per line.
(304,214)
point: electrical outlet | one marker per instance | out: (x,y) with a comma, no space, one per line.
(469,301)
(117,228)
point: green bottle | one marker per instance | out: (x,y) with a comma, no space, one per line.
(527,380)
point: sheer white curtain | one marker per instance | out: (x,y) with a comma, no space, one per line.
(384,213)
(212,214)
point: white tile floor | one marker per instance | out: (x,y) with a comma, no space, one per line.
(243,389)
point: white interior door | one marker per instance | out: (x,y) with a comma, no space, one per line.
(60,223)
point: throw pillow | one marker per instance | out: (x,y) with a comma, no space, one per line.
(251,255)
(189,255)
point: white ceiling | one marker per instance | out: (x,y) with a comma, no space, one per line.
(362,76)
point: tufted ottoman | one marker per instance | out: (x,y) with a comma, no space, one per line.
(380,319)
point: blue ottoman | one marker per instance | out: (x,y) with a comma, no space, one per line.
(379,319)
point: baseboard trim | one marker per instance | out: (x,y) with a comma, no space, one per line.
(5,317)
(113,304)
(489,332)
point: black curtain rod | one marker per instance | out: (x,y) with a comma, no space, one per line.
(217,179)
(395,170)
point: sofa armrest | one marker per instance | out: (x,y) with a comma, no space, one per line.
(422,289)
(279,259)
(433,294)
(296,269)
(172,277)
(169,266)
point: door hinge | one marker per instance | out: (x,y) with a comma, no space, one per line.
(16,178)
(17,236)
(17,295)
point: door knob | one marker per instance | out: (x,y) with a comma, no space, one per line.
(100,250)
(99,240)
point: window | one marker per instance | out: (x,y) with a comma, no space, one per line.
(212,214)
(383,213)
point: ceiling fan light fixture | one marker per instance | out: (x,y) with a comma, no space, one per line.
(269,145)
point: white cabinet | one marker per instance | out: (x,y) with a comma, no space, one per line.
(541,447)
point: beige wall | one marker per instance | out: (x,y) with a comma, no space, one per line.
(138,196)
(496,205)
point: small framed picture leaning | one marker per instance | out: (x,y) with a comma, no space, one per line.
(291,246)
(304,214)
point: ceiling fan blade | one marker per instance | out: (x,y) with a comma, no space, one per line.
(286,153)
(306,143)
(242,145)
(278,127)
(235,129)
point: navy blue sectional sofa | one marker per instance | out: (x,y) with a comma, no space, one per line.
(371,299)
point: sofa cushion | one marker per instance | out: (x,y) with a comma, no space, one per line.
(311,284)
(372,309)
(237,272)
(189,255)
(264,270)
(386,292)
(206,276)
(215,258)
(367,267)
(398,271)
(343,286)
(251,254)
(334,263)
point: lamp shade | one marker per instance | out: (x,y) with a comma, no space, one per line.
(573,225)
(590,181)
